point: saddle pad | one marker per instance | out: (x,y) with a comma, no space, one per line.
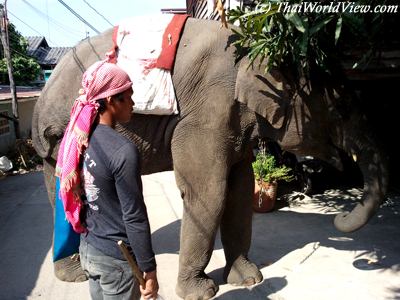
(145,47)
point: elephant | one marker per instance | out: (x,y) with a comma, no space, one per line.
(225,104)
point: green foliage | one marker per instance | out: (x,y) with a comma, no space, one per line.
(307,39)
(18,43)
(25,68)
(265,169)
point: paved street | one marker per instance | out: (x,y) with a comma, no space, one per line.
(300,253)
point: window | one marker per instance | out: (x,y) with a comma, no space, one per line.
(4,123)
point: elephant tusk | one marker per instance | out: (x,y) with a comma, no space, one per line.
(354,156)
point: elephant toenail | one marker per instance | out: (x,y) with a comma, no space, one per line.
(249,281)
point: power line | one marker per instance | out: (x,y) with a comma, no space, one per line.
(48,19)
(24,23)
(40,34)
(78,16)
(26,56)
(17,41)
(98,12)
(66,29)
(43,51)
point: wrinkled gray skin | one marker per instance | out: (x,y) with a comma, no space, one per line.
(223,106)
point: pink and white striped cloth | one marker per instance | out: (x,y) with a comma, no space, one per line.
(101,80)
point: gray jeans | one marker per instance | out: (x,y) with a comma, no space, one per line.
(109,278)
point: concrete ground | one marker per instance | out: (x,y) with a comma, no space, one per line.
(300,253)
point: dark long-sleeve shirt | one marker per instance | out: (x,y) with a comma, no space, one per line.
(115,209)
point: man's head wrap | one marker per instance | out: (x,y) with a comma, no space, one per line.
(101,80)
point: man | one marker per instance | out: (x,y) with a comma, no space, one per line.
(113,208)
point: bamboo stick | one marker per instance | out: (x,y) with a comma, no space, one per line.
(138,274)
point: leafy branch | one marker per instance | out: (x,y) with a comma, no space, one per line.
(306,39)
(25,68)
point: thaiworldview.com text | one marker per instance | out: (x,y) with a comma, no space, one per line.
(335,7)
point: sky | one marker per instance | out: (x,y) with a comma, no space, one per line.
(61,28)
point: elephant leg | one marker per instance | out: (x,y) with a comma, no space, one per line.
(202,182)
(69,268)
(236,227)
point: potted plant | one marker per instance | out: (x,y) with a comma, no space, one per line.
(267,174)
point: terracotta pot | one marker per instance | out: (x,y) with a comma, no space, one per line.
(264,196)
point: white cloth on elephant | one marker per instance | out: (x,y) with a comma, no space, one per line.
(139,41)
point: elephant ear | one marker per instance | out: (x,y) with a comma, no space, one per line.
(266,94)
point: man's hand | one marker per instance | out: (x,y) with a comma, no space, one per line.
(151,289)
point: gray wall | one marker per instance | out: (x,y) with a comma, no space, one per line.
(25,110)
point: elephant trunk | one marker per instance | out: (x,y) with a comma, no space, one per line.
(37,136)
(47,127)
(373,165)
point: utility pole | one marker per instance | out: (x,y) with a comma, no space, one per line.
(6,46)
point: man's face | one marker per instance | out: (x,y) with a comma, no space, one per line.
(123,107)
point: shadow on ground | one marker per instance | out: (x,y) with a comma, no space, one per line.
(25,233)
(166,239)
(260,291)
(278,233)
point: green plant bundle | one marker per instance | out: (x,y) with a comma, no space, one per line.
(265,169)
(279,33)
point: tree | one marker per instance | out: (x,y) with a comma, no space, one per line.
(25,68)
(312,39)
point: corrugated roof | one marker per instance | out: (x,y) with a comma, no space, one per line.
(55,54)
(34,42)
(44,54)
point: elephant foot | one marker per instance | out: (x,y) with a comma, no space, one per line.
(197,288)
(242,272)
(69,269)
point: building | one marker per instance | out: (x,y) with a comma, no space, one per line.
(178,11)
(27,97)
(204,9)
(46,56)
